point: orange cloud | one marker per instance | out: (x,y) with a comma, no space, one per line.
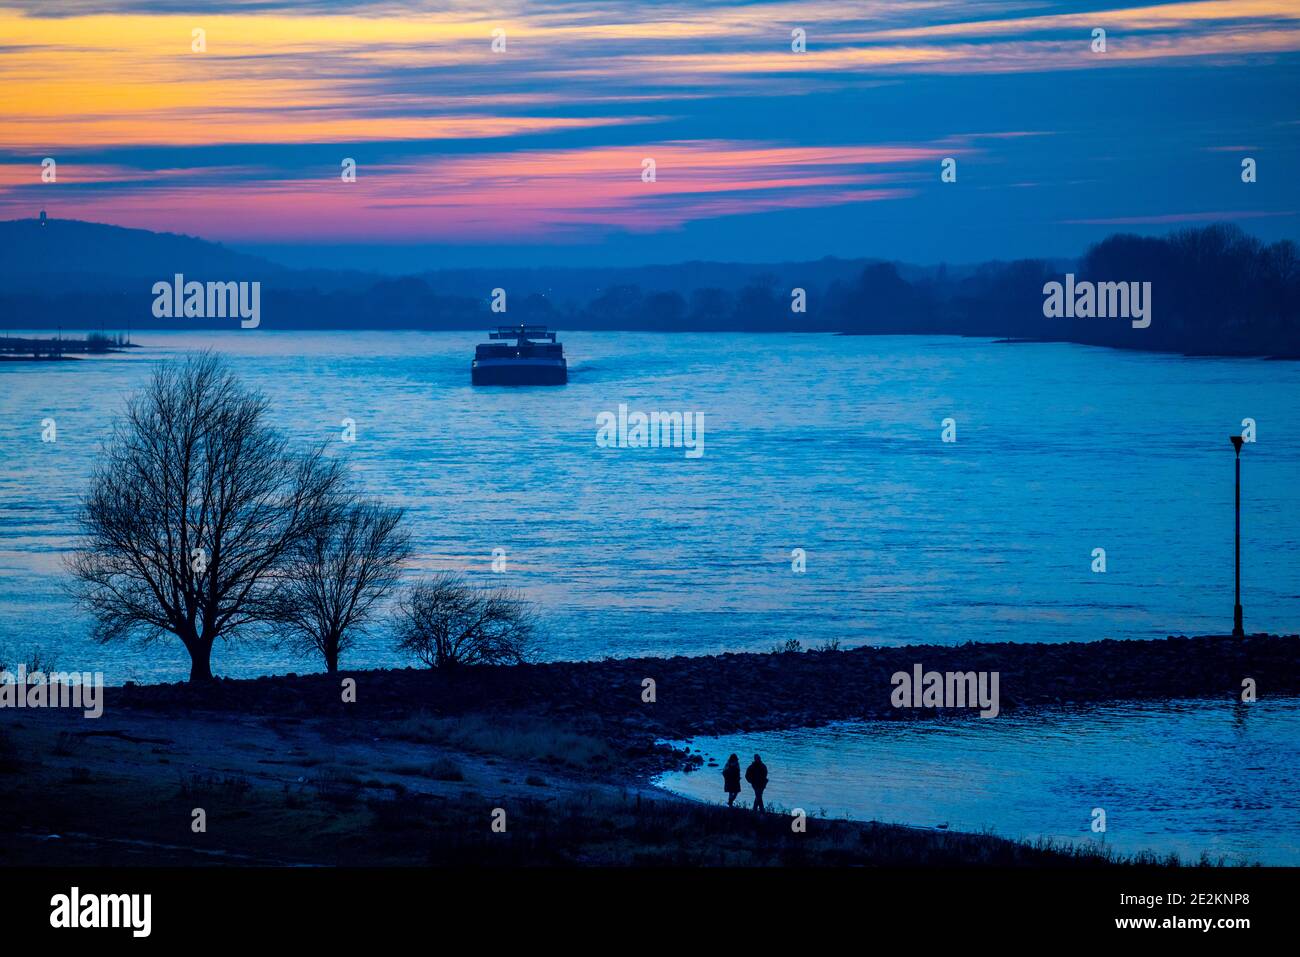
(278,77)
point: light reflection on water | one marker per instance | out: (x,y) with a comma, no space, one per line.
(1188,776)
(830,444)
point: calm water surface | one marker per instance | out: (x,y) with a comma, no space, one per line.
(1188,777)
(829,444)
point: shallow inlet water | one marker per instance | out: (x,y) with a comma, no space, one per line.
(1189,777)
(829,444)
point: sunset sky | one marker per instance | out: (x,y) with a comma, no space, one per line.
(534,155)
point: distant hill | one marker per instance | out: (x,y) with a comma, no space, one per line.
(69,255)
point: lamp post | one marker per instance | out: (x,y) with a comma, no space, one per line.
(1237,630)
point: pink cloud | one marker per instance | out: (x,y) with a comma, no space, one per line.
(525,195)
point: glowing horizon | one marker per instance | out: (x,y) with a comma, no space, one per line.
(544,142)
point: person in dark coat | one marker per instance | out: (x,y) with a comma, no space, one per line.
(756,775)
(731,779)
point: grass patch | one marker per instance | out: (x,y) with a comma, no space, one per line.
(631,829)
(536,742)
(224,789)
(337,787)
(68,744)
(445,769)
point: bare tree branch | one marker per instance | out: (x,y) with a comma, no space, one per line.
(194,512)
(445,622)
(338,574)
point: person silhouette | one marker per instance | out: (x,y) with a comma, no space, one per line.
(731,779)
(756,775)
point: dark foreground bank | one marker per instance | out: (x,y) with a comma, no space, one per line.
(526,765)
(209,788)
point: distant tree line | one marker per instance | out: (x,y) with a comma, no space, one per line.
(204,524)
(1215,290)
(92,343)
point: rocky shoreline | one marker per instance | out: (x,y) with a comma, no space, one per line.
(727,693)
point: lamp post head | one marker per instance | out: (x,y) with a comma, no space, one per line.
(1236,442)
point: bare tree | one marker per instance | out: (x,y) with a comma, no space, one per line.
(193,513)
(337,574)
(445,622)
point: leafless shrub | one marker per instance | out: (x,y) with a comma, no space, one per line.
(37,661)
(445,622)
(337,787)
